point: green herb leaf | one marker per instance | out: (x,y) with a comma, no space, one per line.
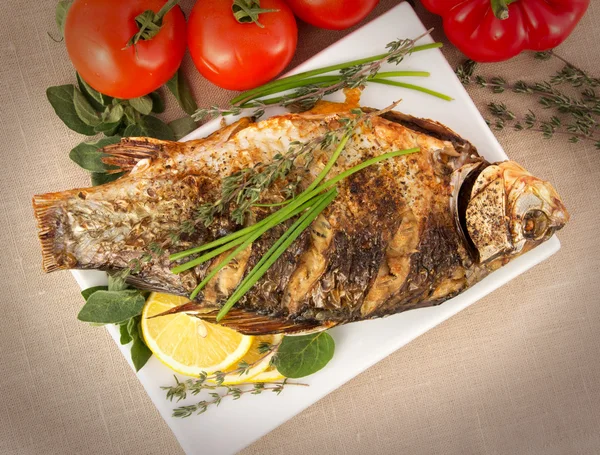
(140,354)
(300,356)
(114,114)
(158,105)
(183,126)
(151,127)
(182,92)
(123,330)
(96,99)
(89,291)
(109,129)
(112,307)
(88,155)
(61,99)
(60,14)
(84,109)
(131,116)
(116,281)
(100,178)
(142,104)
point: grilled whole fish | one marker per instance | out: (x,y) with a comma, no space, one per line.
(409,232)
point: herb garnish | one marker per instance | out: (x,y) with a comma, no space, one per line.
(573,116)
(308,89)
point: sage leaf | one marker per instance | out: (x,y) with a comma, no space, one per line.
(124,332)
(112,307)
(84,109)
(150,126)
(140,354)
(88,154)
(61,99)
(109,129)
(142,104)
(183,126)
(182,92)
(116,281)
(60,14)
(96,99)
(114,114)
(100,178)
(300,356)
(89,291)
(158,105)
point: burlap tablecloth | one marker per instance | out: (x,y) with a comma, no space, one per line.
(516,373)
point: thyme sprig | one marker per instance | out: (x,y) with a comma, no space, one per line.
(574,116)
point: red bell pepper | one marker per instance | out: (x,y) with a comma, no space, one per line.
(496,30)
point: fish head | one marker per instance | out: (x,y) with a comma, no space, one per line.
(511,211)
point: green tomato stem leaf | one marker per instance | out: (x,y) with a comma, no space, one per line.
(112,307)
(88,154)
(182,92)
(61,99)
(300,356)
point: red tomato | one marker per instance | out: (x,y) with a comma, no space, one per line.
(96,33)
(332,14)
(240,56)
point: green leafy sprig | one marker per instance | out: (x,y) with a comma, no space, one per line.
(576,117)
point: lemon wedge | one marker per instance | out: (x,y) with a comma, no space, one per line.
(269,375)
(256,361)
(187,344)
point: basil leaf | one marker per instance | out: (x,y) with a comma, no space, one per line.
(112,307)
(109,129)
(89,156)
(182,92)
(89,291)
(61,99)
(300,356)
(151,127)
(125,337)
(84,109)
(143,104)
(100,178)
(96,99)
(115,114)
(60,14)
(140,354)
(183,126)
(158,105)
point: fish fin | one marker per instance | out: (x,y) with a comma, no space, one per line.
(47,210)
(249,323)
(127,153)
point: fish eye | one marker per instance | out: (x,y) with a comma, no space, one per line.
(535,224)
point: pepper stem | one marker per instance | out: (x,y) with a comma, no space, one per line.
(149,23)
(500,8)
(247,11)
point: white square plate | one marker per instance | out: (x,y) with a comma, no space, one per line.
(234,425)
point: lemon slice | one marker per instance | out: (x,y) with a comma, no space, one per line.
(257,361)
(269,375)
(185,343)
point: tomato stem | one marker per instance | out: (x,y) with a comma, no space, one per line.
(500,8)
(149,23)
(247,11)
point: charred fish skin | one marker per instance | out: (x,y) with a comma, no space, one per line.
(409,232)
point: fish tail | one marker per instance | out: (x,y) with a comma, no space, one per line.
(50,217)
(131,150)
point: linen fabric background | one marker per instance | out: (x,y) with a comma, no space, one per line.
(516,373)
